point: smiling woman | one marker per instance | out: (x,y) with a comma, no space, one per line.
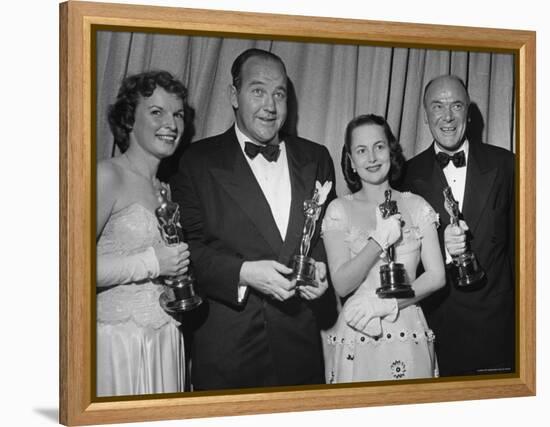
(370,154)
(139,347)
(159,124)
(379,338)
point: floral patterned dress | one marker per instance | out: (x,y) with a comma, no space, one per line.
(404,348)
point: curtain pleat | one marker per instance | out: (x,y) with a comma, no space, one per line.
(330,84)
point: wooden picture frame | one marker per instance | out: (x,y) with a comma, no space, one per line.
(77,220)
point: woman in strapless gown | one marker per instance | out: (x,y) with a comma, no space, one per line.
(378,338)
(140,349)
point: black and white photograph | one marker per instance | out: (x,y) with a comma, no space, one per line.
(278,213)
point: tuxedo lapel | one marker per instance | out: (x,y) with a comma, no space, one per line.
(430,183)
(236,177)
(480,177)
(302,181)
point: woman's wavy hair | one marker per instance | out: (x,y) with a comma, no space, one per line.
(396,153)
(121,114)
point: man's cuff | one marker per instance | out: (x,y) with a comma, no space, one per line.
(448,257)
(241,293)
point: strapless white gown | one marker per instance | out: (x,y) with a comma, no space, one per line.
(139,347)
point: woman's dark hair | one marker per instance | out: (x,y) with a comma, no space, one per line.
(121,114)
(396,153)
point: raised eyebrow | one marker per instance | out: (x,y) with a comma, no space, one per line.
(257,83)
(262,83)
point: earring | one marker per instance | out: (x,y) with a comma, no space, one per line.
(354,170)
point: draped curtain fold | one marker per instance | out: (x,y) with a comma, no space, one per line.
(332,83)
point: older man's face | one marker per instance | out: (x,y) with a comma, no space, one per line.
(261,102)
(446,104)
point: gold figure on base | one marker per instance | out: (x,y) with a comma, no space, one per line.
(179,293)
(303,265)
(467,272)
(393,276)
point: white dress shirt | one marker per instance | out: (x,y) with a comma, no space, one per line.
(456,179)
(274,180)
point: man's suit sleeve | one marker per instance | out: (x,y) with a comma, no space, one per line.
(325,173)
(216,270)
(325,307)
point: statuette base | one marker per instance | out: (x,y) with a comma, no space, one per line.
(303,270)
(393,278)
(468,271)
(179,295)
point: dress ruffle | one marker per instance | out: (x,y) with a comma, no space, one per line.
(140,349)
(136,303)
(404,348)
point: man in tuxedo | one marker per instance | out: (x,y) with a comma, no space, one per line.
(474,325)
(241,195)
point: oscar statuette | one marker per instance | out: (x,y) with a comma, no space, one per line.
(393,276)
(303,266)
(179,293)
(467,271)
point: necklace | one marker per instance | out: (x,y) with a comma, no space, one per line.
(154,181)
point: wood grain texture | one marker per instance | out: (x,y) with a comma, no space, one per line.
(63,220)
(77,213)
(525,213)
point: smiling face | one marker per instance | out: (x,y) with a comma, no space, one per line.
(158,123)
(260,102)
(370,153)
(446,104)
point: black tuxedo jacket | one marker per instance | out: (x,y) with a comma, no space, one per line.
(474,329)
(227,220)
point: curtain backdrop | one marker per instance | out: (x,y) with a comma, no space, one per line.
(330,84)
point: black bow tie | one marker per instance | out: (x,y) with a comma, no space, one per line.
(270,152)
(458,159)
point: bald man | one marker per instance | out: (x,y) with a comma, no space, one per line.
(474,325)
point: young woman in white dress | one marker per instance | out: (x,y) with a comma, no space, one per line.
(375,338)
(139,347)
